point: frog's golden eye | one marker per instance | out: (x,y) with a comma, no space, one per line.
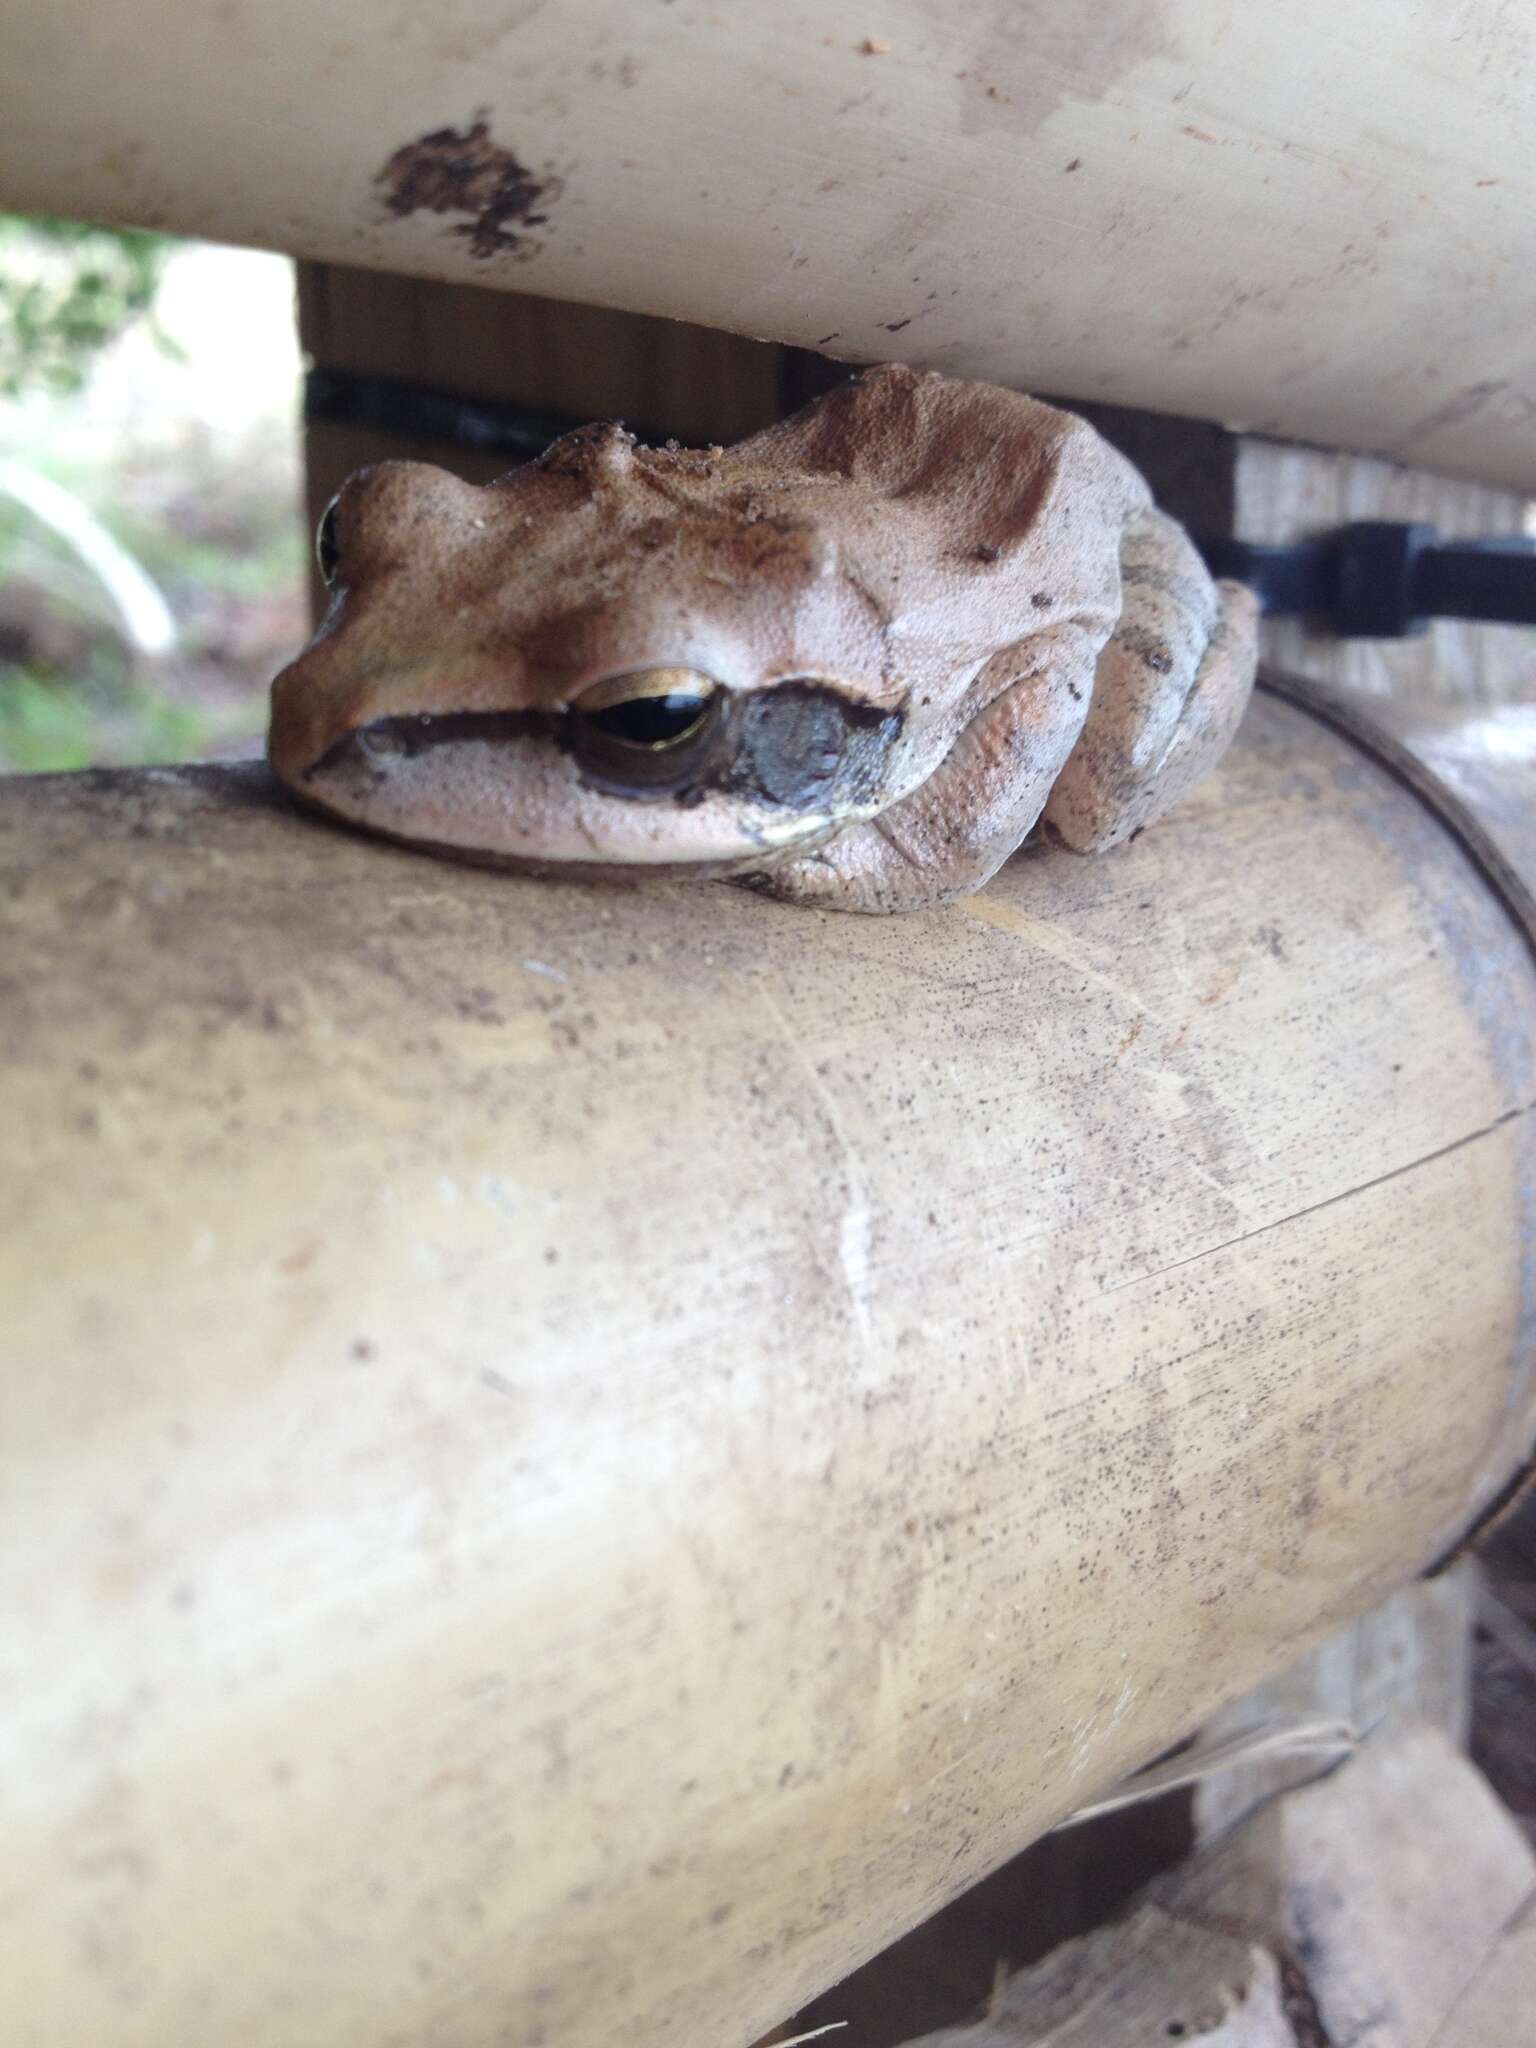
(646,732)
(327,546)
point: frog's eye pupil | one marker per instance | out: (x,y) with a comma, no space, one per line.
(327,546)
(649,733)
(652,721)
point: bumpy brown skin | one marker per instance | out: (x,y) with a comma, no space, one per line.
(971,588)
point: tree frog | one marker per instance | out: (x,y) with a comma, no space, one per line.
(851,661)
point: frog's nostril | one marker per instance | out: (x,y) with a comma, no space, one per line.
(382,743)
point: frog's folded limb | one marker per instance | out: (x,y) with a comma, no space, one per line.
(1163,701)
(1171,684)
(955,830)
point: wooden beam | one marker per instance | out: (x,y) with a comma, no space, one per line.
(1307,221)
(576,1461)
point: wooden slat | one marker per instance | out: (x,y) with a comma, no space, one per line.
(694,382)
(1308,220)
(1389,1888)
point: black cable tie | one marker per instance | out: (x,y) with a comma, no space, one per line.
(1380,579)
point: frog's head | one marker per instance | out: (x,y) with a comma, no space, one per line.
(602,660)
(620,657)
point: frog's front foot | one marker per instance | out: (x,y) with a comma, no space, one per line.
(1169,691)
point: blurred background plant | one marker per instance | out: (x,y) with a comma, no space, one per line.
(152,550)
(66,290)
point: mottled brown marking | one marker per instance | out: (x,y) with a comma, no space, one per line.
(449,172)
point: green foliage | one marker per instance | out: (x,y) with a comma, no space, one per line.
(49,722)
(205,503)
(42,727)
(67,289)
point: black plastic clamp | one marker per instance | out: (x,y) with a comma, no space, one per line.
(1381,580)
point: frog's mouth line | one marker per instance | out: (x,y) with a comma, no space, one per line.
(723,868)
(797,745)
(414,733)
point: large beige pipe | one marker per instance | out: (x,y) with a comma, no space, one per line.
(1311,219)
(574,1461)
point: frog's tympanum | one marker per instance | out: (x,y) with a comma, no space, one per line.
(852,661)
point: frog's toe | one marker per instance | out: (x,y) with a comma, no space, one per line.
(1109,790)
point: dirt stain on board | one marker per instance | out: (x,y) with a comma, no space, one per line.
(453,171)
(1028,62)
